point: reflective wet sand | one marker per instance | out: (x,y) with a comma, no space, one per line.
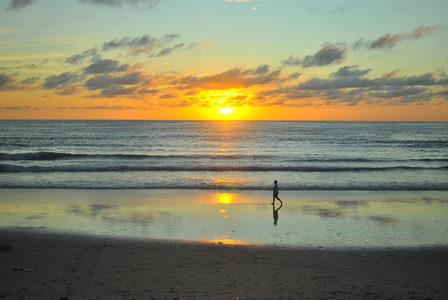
(307,219)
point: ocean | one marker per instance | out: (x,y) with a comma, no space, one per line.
(224,155)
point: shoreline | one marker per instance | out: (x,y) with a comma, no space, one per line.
(62,266)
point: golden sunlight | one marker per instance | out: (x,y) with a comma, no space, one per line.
(226,110)
(228,104)
(224,198)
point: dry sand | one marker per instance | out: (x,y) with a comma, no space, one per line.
(35,264)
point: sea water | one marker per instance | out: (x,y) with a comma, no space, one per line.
(224,155)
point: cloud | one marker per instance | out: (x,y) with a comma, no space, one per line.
(19,4)
(327,55)
(143,44)
(390,40)
(233,78)
(263,69)
(168,50)
(8,83)
(128,42)
(146,4)
(112,85)
(5,81)
(30,80)
(106,66)
(349,71)
(399,92)
(79,58)
(142,4)
(117,91)
(106,81)
(28,107)
(350,86)
(103,107)
(195,45)
(338,82)
(443,94)
(71,90)
(167,96)
(61,80)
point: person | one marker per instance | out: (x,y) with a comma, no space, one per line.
(275,196)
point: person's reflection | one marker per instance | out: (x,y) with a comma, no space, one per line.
(275,213)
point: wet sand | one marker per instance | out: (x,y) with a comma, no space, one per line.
(308,219)
(39,265)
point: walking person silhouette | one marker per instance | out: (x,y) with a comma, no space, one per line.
(275,195)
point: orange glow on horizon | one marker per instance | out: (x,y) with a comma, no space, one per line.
(202,109)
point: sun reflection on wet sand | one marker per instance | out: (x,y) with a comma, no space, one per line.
(224,239)
(224,198)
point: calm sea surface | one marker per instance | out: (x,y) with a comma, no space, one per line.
(224,155)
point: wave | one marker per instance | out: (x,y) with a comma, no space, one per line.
(37,156)
(9,168)
(44,156)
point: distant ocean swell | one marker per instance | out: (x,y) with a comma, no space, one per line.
(31,156)
(7,168)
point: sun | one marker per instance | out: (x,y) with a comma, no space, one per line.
(226,110)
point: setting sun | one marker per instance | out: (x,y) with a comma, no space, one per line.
(226,110)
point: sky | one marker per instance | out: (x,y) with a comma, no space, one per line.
(383,60)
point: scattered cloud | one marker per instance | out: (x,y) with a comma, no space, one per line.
(30,80)
(20,108)
(167,96)
(102,107)
(195,45)
(79,58)
(106,81)
(335,82)
(443,94)
(145,4)
(349,71)
(9,83)
(327,55)
(70,90)
(106,66)
(142,45)
(19,4)
(399,92)
(5,81)
(233,78)
(141,4)
(61,80)
(128,42)
(349,86)
(389,41)
(168,50)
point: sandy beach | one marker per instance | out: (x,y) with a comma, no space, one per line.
(99,244)
(38,265)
